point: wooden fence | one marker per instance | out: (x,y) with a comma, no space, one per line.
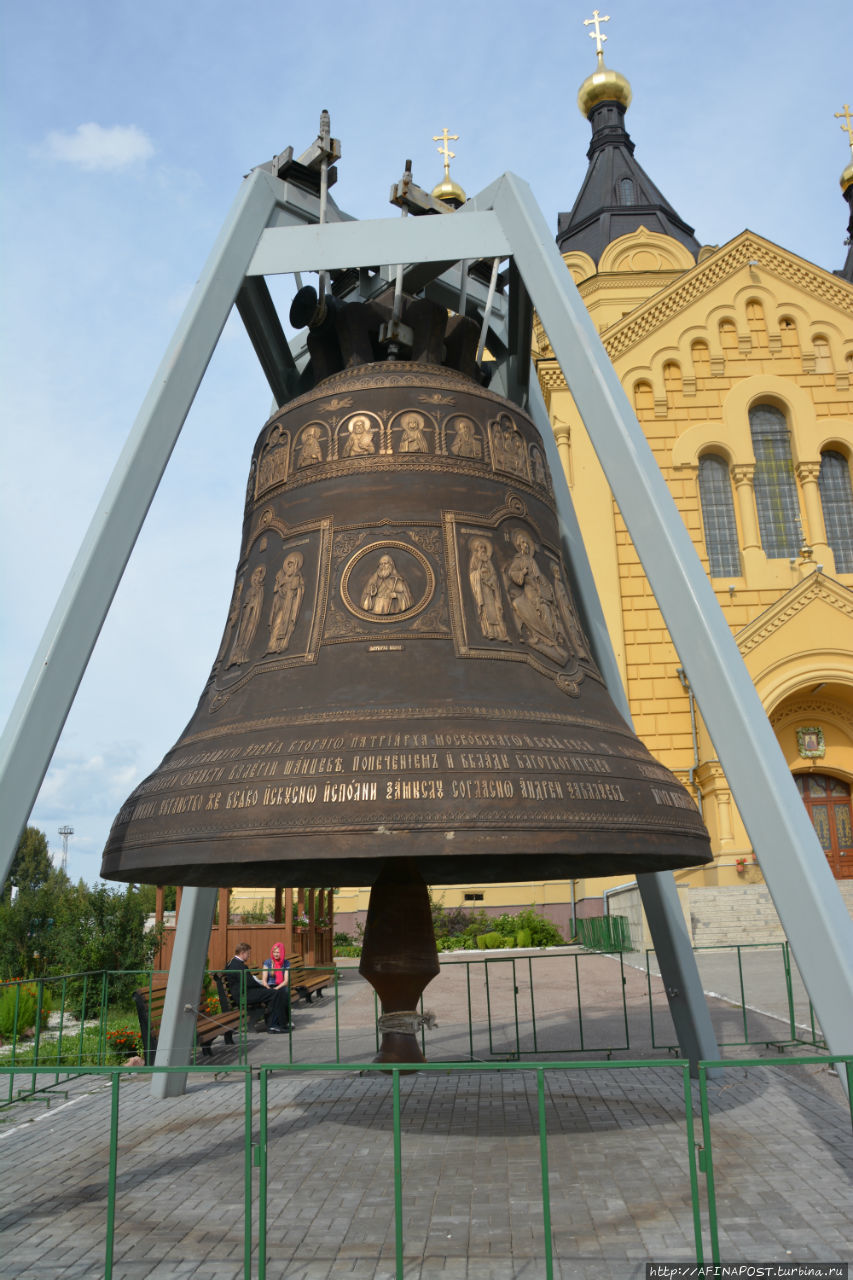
(311,942)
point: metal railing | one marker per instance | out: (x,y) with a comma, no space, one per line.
(705,1152)
(503,998)
(700,1168)
(256,1143)
(778,953)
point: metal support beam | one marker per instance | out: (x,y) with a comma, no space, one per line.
(186,974)
(383,242)
(682,984)
(258,313)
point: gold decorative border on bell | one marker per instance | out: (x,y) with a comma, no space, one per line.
(385,594)
(344,716)
(560,818)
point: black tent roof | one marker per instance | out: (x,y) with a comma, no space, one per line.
(617,196)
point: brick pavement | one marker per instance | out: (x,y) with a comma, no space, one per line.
(472,1195)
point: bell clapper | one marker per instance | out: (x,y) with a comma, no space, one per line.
(399,957)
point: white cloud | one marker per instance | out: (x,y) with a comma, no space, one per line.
(91,146)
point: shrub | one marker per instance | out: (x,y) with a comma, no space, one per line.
(542,933)
(19,1009)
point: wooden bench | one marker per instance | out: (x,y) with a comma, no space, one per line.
(305,982)
(149,1007)
(255,1013)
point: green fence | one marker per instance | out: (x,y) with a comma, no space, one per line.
(747,965)
(604,933)
(513,1007)
(256,1144)
(702,1170)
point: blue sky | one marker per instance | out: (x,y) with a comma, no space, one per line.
(126,130)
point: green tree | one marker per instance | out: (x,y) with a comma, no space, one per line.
(28,933)
(104,929)
(148,896)
(31,866)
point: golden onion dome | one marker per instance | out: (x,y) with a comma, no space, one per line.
(846,178)
(449,191)
(603,85)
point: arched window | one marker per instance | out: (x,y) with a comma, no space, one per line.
(822,354)
(718,516)
(757,324)
(776,500)
(701,359)
(626,191)
(672,382)
(644,401)
(790,337)
(728,335)
(836,497)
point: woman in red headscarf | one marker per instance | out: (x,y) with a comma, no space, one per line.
(275,975)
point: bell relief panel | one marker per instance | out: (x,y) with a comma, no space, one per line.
(509,598)
(273,459)
(276,613)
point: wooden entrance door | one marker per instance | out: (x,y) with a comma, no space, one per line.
(828,802)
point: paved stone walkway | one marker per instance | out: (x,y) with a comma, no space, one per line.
(471,1191)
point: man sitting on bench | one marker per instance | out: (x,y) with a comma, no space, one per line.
(276,1002)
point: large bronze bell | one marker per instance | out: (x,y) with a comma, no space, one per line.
(402,672)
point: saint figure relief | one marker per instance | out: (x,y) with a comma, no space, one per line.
(272,460)
(386,590)
(539,473)
(571,624)
(533,602)
(250,613)
(232,618)
(465,442)
(508,449)
(486,590)
(413,439)
(360,441)
(286,599)
(310,448)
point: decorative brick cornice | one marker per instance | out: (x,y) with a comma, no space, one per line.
(813,709)
(700,280)
(815,587)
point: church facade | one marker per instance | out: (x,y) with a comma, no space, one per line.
(738,360)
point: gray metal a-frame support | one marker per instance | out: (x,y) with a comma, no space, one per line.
(503,221)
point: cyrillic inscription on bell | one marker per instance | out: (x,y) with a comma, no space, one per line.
(402,672)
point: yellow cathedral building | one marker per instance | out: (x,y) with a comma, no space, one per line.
(738,360)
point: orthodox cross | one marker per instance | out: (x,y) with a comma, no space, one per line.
(597,35)
(847,127)
(445,151)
